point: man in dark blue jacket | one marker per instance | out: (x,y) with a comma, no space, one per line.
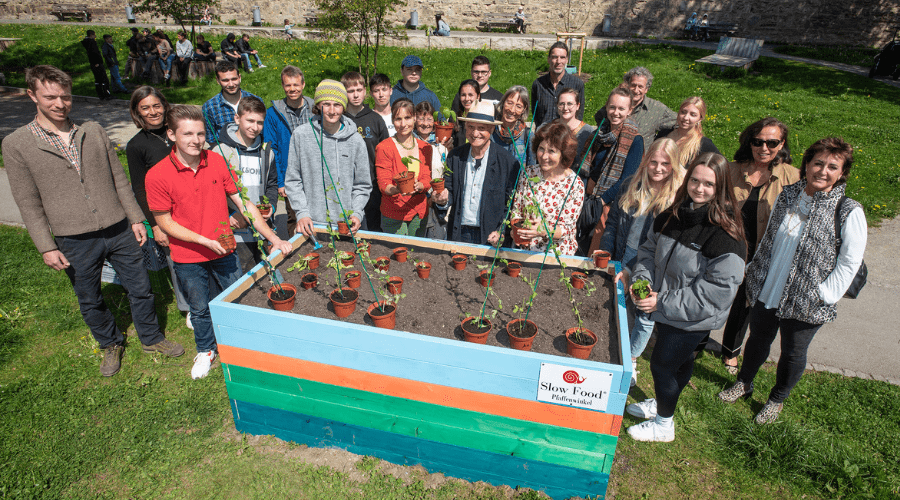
(95,60)
(480,184)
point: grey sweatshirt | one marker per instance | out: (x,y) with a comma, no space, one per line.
(309,186)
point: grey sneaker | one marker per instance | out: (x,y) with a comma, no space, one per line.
(167,347)
(112,360)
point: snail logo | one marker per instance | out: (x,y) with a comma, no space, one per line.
(571,377)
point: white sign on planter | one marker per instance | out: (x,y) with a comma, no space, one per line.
(570,386)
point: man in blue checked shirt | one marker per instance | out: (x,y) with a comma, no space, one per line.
(219,110)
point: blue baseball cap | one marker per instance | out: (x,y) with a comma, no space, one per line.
(410,61)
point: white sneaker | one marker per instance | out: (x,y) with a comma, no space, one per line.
(634,373)
(644,409)
(262,65)
(187,321)
(202,364)
(652,431)
(249,70)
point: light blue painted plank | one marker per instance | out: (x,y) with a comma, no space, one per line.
(558,482)
(624,333)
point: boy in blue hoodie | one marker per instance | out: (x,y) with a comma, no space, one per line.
(243,148)
(411,87)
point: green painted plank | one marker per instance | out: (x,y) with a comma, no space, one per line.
(443,424)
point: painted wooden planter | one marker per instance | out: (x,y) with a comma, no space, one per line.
(466,410)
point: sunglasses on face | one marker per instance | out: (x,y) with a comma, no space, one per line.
(770,143)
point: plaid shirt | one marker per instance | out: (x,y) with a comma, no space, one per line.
(219,113)
(70,150)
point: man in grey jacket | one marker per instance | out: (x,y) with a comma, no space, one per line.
(339,188)
(79,209)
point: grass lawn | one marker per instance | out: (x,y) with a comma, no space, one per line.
(152,432)
(846,54)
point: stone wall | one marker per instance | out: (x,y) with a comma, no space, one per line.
(863,22)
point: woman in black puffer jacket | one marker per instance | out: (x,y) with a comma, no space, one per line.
(694,260)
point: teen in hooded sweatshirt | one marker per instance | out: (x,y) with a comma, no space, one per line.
(243,148)
(411,86)
(372,129)
(318,194)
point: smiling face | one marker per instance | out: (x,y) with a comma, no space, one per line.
(481,73)
(701,185)
(467,97)
(659,168)
(617,109)
(823,171)
(331,112)
(152,112)
(250,125)
(548,157)
(189,138)
(293,88)
(53,101)
(424,124)
(513,108)
(557,60)
(230,82)
(638,86)
(567,107)
(478,134)
(688,117)
(763,154)
(403,122)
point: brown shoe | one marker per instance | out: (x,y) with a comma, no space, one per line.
(112,360)
(167,347)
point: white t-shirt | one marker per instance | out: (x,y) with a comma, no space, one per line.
(388,123)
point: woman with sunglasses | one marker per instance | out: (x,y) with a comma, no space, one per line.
(761,170)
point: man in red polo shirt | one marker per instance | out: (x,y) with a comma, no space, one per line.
(187,192)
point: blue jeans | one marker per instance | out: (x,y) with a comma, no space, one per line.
(147,63)
(86,253)
(166,63)
(470,234)
(246,57)
(194,279)
(640,333)
(672,364)
(442,32)
(116,79)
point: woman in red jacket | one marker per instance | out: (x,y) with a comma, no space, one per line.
(403,212)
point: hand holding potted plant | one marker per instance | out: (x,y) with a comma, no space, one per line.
(442,127)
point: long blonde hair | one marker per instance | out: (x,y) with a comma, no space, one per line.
(638,196)
(689,145)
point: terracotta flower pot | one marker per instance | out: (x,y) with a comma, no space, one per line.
(442,132)
(437,185)
(577,350)
(513,269)
(474,333)
(578,279)
(405,182)
(352,279)
(516,340)
(515,226)
(601,259)
(485,277)
(344,306)
(283,304)
(348,261)
(383,315)
(395,285)
(382,263)
(313,262)
(309,280)
(362,248)
(423,269)
(227,241)
(343,228)
(458,262)
(264,209)
(400,254)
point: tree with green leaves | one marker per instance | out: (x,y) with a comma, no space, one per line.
(182,11)
(364,23)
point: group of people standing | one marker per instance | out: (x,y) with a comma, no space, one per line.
(753,241)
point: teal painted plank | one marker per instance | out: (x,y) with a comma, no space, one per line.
(624,334)
(556,481)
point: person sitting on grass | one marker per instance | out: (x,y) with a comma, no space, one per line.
(371,127)
(328,176)
(244,149)
(204,50)
(243,46)
(231,53)
(193,220)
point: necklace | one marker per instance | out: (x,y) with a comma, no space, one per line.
(165,140)
(408,148)
(801,211)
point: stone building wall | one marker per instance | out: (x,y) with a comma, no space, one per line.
(864,22)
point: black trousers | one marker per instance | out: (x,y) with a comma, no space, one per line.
(736,326)
(101,81)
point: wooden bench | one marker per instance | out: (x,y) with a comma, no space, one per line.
(71,11)
(713,29)
(499,20)
(734,53)
(312,17)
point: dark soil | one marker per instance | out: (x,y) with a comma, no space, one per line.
(436,306)
(472,326)
(310,278)
(584,339)
(523,329)
(383,312)
(284,294)
(346,297)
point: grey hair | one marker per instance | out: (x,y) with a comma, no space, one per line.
(522,92)
(639,71)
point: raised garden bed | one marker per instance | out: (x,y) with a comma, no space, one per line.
(477,412)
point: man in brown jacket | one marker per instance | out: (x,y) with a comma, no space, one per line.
(79,209)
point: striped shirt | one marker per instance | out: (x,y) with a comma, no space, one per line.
(70,150)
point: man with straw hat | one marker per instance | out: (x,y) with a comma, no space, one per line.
(478,207)
(327,177)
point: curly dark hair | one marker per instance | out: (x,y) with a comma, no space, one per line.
(560,137)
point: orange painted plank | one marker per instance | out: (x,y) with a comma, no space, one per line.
(532,411)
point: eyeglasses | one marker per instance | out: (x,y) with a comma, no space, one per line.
(481,73)
(770,143)
(567,105)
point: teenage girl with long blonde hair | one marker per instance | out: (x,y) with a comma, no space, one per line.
(688,131)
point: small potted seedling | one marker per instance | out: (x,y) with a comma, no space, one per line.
(226,237)
(458,261)
(343,228)
(347,258)
(400,253)
(395,285)
(601,259)
(477,328)
(309,281)
(578,279)
(513,269)
(528,215)
(437,184)
(406,180)
(383,264)
(641,289)
(362,248)
(521,331)
(264,206)
(352,279)
(442,127)
(423,269)
(309,261)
